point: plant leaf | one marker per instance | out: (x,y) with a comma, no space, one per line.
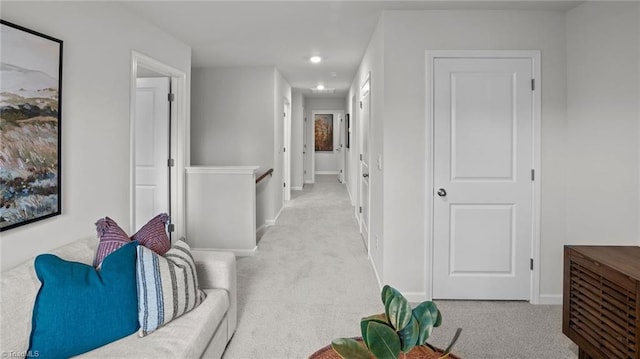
(435,313)
(453,342)
(350,349)
(438,321)
(425,320)
(398,312)
(389,292)
(364,322)
(383,341)
(409,335)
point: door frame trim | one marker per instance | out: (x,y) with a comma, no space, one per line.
(179,136)
(364,89)
(431,56)
(286,158)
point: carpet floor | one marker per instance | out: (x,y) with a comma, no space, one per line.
(311,282)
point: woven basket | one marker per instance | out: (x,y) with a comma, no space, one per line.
(419,352)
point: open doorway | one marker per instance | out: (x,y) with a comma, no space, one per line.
(158,143)
(324,132)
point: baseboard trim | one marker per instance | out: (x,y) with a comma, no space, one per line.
(415,297)
(327,173)
(236,252)
(261,228)
(550,299)
(375,272)
(296,188)
(309,182)
(272,222)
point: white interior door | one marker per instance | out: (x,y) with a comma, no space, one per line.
(152,121)
(483,189)
(286,153)
(306,161)
(364,163)
(340,150)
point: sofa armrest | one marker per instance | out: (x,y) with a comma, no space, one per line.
(217,270)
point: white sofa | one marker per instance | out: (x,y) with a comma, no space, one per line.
(202,333)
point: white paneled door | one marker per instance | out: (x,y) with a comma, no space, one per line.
(151,138)
(483,189)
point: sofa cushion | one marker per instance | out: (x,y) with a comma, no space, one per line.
(19,287)
(167,286)
(186,337)
(78,308)
(152,235)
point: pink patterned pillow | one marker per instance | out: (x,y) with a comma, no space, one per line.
(152,235)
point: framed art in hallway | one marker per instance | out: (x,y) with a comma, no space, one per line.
(30,116)
(323,124)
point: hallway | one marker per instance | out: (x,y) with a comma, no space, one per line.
(310,281)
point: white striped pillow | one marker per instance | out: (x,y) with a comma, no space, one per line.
(167,286)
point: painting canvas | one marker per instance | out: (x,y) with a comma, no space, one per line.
(30,115)
(324,132)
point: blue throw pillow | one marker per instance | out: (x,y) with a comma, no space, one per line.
(79,308)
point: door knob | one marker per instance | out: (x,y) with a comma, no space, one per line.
(365,175)
(442,192)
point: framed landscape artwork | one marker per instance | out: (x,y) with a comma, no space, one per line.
(323,124)
(30,132)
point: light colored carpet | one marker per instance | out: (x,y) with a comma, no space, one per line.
(311,282)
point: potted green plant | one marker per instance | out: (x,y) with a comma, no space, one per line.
(395,332)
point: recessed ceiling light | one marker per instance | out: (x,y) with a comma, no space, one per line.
(315,59)
(320,87)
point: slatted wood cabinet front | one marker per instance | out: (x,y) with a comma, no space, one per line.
(601,300)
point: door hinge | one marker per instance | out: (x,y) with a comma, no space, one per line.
(171,228)
(361,157)
(171,162)
(360,210)
(284,114)
(533,174)
(360,104)
(533,84)
(531,263)
(284,149)
(171,97)
(284,185)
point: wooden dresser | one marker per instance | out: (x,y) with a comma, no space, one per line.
(601,300)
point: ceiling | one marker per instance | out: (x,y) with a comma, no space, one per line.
(284,34)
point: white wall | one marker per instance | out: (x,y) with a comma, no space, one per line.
(297,139)
(590,127)
(350,162)
(282,93)
(603,57)
(237,120)
(325,162)
(372,66)
(95,114)
(399,132)
(232,123)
